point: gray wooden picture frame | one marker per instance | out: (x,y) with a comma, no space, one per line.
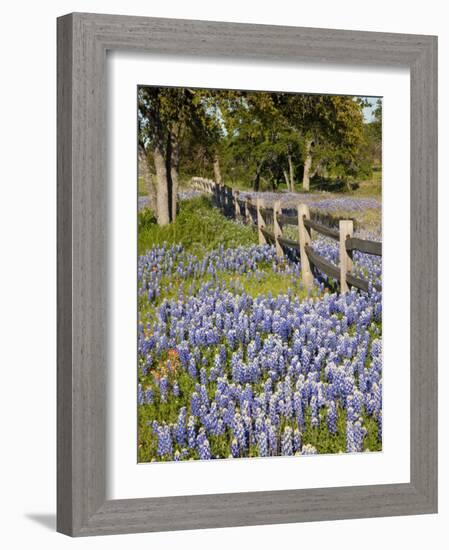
(83,40)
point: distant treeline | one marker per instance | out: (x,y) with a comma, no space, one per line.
(253,139)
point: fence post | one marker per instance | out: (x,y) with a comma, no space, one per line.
(217,195)
(277,228)
(260,221)
(237,211)
(229,201)
(220,196)
(346,229)
(225,199)
(304,240)
(247,214)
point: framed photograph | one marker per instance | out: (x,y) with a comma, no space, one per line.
(247,274)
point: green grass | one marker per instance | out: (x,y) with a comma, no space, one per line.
(269,282)
(371,187)
(198,227)
(369,218)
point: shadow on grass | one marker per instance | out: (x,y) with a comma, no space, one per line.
(332,185)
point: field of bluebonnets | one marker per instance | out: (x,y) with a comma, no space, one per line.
(235,358)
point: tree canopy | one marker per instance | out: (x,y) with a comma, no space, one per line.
(253,139)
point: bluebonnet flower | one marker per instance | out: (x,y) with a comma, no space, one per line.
(273,409)
(262,443)
(235,452)
(191,432)
(184,354)
(211,420)
(315,417)
(180,428)
(287,442)
(239,431)
(296,440)
(203,446)
(355,434)
(272,437)
(192,368)
(359,433)
(195,404)
(164,444)
(140,395)
(163,388)
(203,395)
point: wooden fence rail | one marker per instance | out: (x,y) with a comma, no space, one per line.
(259,215)
(368,247)
(326,231)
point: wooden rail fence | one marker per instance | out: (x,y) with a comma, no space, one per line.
(257,214)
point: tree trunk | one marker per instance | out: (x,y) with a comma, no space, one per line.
(292,173)
(162,199)
(272,182)
(316,170)
(217,171)
(256,181)
(144,172)
(256,184)
(287,179)
(174,172)
(307,166)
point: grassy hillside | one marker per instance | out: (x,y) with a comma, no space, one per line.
(198,227)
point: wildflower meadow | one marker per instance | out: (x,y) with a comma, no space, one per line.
(236,359)
(238,355)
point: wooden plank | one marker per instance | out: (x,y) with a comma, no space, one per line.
(230,202)
(361,284)
(327,231)
(283,219)
(277,229)
(248,218)
(260,221)
(290,243)
(304,241)
(237,211)
(268,235)
(333,271)
(365,246)
(346,229)
(323,265)
(267,214)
